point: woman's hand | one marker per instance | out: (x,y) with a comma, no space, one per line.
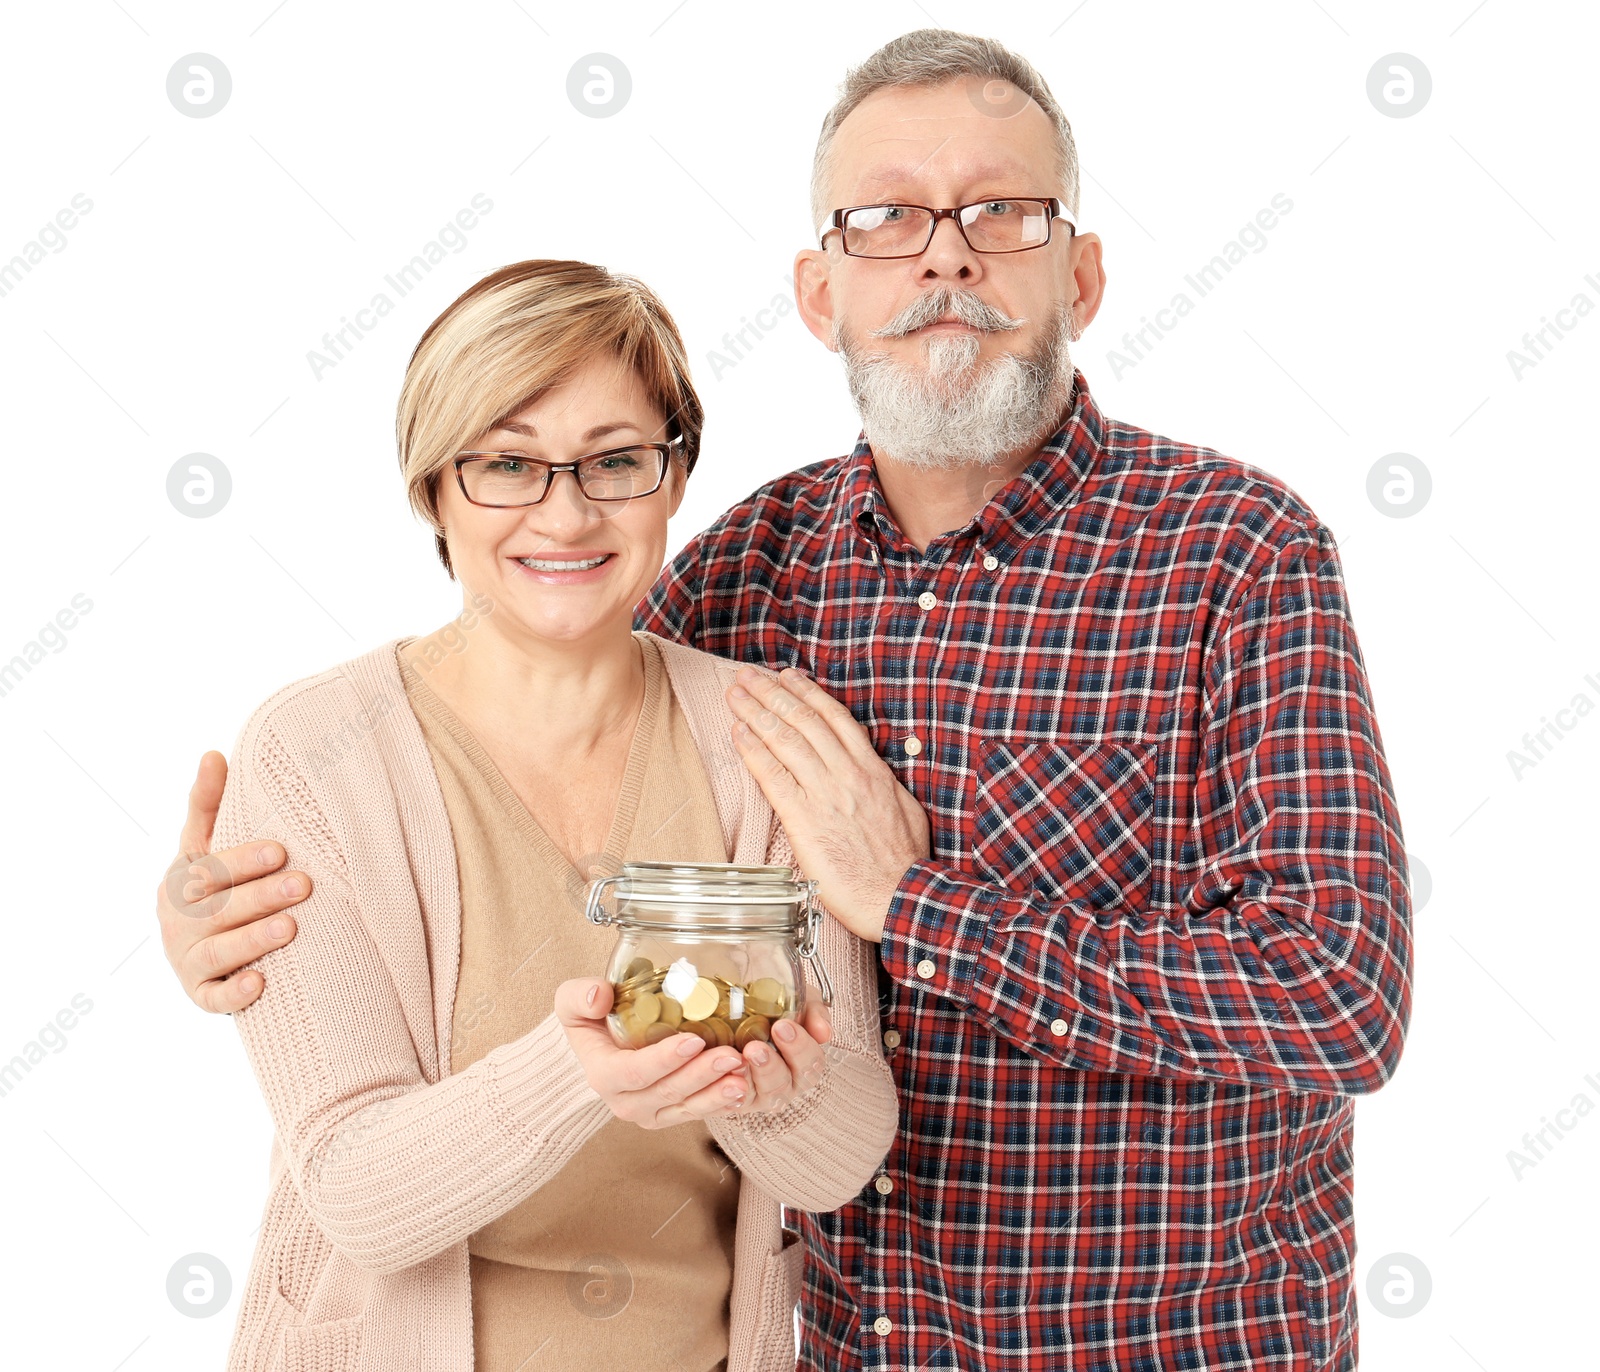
(681,1079)
(671,1082)
(776,1078)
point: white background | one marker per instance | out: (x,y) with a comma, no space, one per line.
(178,316)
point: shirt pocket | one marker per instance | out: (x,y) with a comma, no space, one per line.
(1070,820)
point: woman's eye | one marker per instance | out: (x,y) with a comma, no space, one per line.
(509,466)
(616,462)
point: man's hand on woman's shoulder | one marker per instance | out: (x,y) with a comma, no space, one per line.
(221,911)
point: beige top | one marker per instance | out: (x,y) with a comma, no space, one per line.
(625,1256)
(386,1156)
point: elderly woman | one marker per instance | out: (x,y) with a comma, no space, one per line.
(466,1171)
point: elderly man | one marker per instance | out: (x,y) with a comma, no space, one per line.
(1147,933)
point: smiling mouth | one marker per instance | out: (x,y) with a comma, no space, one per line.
(563,564)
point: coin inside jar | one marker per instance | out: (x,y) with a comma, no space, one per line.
(752,1028)
(720,1012)
(702,1030)
(765,996)
(701,1001)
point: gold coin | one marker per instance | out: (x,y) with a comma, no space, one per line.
(722,1029)
(696,1027)
(646,1008)
(751,1028)
(637,968)
(671,1011)
(701,1001)
(655,1033)
(768,990)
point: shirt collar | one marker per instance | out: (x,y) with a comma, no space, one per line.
(1014,514)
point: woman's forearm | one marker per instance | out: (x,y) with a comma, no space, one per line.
(821,1148)
(406,1175)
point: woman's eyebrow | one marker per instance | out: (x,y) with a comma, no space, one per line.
(598,431)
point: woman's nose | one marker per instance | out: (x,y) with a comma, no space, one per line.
(566,507)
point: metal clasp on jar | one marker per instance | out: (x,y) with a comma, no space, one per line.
(808,943)
(592,908)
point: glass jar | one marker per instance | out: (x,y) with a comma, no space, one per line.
(709,948)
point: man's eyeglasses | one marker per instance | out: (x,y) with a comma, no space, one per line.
(989,226)
(504,480)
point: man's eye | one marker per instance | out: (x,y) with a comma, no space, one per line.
(997,207)
(891,213)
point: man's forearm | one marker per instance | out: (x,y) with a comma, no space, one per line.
(1235,993)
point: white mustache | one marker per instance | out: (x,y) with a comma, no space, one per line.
(942,301)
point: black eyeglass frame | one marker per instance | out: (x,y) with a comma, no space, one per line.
(1057,211)
(551,469)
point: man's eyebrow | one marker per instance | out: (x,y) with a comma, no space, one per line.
(881,179)
(598,431)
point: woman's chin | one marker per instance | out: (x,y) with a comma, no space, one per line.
(547,624)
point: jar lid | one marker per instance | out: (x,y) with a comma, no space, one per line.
(721,898)
(713,883)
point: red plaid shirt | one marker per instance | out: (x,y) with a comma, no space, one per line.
(1164,936)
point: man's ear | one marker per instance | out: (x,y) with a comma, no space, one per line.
(813,293)
(1089,273)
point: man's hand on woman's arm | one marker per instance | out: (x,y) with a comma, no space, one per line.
(228,911)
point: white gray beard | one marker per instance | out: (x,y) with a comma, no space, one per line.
(953,415)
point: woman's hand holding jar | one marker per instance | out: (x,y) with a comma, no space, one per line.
(682,1079)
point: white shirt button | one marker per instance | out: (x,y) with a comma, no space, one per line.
(990,562)
(883,1184)
(882,1325)
(1058,1027)
(891,1038)
(925,968)
(912,745)
(927,600)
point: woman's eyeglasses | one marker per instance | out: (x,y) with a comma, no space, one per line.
(504,480)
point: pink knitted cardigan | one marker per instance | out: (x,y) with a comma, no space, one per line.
(383,1161)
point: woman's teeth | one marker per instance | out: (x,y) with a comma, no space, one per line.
(562,564)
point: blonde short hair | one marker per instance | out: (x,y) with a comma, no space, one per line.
(515,335)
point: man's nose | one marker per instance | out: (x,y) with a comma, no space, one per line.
(948,254)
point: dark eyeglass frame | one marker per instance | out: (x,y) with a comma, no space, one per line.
(551,469)
(836,221)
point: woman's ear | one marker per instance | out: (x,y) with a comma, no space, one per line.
(678,478)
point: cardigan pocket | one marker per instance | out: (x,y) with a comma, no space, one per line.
(780,1290)
(321,1346)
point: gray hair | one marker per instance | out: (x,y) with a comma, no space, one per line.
(930,57)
